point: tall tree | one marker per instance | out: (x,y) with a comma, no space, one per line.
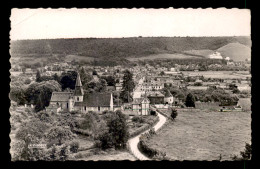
(85,77)
(127,87)
(40,93)
(68,80)
(190,100)
(38,76)
(59,134)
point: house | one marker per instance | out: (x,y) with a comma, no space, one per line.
(243,87)
(215,55)
(151,86)
(110,88)
(155,97)
(197,87)
(98,102)
(118,86)
(141,105)
(168,98)
(28,71)
(61,99)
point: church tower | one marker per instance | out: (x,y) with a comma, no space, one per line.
(78,92)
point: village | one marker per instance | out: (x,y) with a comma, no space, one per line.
(145,93)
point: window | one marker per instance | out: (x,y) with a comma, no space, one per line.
(85,108)
(77,98)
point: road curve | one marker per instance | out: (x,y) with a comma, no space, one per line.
(133,142)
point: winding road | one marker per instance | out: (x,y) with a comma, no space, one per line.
(133,142)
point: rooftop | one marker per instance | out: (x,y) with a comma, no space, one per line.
(95,100)
(60,96)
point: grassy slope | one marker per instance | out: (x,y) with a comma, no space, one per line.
(235,51)
(122,47)
(204,136)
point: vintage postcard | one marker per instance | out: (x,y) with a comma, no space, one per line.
(130,84)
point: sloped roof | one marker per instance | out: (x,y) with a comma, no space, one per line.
(168,94)
(60,96)
(78,91)
(95,100)
(154,94)
(137,100)
(78,81)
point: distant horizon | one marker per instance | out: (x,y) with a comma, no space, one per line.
(129,37)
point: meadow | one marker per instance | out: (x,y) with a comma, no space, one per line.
(219,74)
(163,56)
(199,135)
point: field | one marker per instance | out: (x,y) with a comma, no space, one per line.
(235,51)
(204,136)
(220,74)
(204,52)
(78,58)
(163,56)
(110,155)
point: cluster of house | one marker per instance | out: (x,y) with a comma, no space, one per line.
(99,102)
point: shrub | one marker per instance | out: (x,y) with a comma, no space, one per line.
(174,114)
(153,113)
(190,100)
(245,155)
(79,155)
(104,140)
(138,119)
(27,81)
(74,146)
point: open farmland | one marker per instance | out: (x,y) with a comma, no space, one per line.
(219,74)
(204,136)
(163,56)
(79,58)
(203,52)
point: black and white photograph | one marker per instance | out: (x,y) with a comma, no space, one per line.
(130,84)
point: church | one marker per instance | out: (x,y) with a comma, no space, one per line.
(78,101)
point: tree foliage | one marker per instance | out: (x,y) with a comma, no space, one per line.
(85,77)
(174,113)
(127,87)
(40,93)
(190,100)
(59,135)
(115,134)
(17,94)
(68,80)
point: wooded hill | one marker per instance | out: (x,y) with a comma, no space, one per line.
(122,47)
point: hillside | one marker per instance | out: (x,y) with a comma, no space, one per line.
(235,51)
(121,47)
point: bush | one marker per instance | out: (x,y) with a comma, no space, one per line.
(27,81)
(79,155)
(153,113)
(104,141)
(138,119)
(245,155)
(174,114)
(190,100)
(74,146)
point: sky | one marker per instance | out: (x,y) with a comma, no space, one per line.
(116,23)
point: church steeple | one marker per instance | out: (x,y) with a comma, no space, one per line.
(78,81)
(78,88)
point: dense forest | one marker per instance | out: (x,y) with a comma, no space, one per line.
(121,47)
